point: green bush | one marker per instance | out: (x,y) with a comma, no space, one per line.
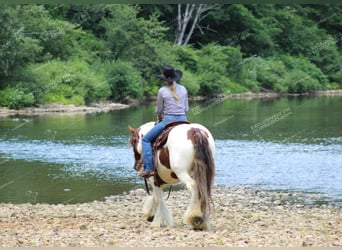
(68,82)
(233,87)
(212,59)
(233,62)
(337,78)
(187,56)
(124,81)
(216,65)
(190,81)
(303,64)
(212,83)
(298,81)
(260,73)
(16,98)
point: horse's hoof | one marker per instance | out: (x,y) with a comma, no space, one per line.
(197,222)
(150,218)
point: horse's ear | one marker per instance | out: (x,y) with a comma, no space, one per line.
(132,130)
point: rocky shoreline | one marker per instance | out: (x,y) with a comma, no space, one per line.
(54,109)
(240,217)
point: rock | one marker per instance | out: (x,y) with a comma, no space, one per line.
(277,202)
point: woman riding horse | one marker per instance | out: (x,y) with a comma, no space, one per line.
(172,105)
(187,156)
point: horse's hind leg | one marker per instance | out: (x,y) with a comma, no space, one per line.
(155,209)
(198,219)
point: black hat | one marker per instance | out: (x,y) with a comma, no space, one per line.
(170,74)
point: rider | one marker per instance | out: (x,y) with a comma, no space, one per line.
(172,105)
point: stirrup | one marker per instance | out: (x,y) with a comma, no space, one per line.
(147,174)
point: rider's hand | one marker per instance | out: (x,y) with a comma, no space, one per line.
(159,119)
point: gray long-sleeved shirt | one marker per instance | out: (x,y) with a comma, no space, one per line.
(166,103)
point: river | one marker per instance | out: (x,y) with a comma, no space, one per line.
(283,144)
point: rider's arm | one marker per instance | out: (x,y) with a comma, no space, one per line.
(160,104)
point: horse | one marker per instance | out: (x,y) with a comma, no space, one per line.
(187,157)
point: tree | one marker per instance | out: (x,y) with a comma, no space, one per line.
(192,16)
(16,49)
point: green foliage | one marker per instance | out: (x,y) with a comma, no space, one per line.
(337,78)
(16,49)
(303,64)
(216,66)
(137,41)
(16,98)
(87,53)
(68,82)
(89,17)
(125,33)
(188,57)
(211,58)
(325,56)
(233,62)
(263,73)
(298,81)
(190,81)
(233,87)
(124,81)
(212,83)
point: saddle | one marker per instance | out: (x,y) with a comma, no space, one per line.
(159,143)
(162,138)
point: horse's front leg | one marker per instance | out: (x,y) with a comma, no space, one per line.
(155,208)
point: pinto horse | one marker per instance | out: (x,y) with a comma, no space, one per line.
(187,157)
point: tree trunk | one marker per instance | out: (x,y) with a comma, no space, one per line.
(190,16)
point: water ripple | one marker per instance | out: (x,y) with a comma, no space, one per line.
(268,165)
(99,160)
(292,166)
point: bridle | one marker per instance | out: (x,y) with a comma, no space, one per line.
(133,141)
(138,164)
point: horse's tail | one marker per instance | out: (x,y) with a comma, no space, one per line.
(203,165)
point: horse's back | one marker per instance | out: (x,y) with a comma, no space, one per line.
(179,141)
(180,134)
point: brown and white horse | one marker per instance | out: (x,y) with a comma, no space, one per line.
(187,157)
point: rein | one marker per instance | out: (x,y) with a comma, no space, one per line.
(169,193)
(148,189)
(146,186)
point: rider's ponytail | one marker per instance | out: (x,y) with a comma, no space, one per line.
(173,91)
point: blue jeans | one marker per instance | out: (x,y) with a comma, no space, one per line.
(152,135)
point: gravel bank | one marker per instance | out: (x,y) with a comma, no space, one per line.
(241,217)
(54,109)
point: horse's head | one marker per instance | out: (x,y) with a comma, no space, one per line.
(135,142)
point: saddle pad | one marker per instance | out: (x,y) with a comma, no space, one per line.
(162,138)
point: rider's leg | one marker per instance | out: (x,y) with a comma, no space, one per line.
(147,146)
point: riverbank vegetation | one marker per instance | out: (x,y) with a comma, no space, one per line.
(81,54)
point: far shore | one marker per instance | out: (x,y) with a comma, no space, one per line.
(60,109)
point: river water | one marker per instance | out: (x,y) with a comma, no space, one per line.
(283,144)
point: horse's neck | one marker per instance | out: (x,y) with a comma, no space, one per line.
(146,127)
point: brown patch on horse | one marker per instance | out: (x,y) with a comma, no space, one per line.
(133,141)
(203,166)
(164,157)
(158,181)
(174,176)
(193,131)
